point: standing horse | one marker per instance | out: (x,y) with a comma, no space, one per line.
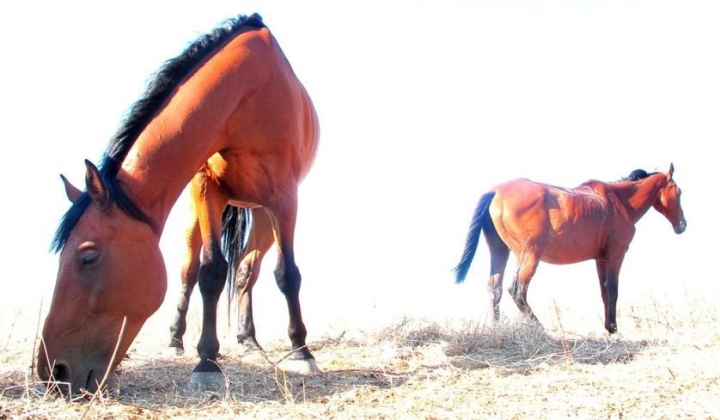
(230,109)
(540,222)
(244,261)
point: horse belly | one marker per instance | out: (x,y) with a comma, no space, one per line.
(570,249)
(253,180)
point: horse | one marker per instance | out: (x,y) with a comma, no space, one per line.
(540,222)
(230,109)
(244,257)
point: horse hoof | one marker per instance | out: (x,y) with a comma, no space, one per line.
(248,346)
(302,366)
(207,381)
(173,351)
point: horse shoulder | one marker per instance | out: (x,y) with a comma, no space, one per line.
(618,227)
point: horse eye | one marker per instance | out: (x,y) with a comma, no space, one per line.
(88,259)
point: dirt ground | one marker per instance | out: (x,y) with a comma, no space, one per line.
(662,365)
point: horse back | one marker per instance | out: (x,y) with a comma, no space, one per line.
(564,225)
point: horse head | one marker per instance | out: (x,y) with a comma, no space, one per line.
(111,277)
(668,203)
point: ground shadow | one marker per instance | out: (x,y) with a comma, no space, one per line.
(522,347)
(158,383)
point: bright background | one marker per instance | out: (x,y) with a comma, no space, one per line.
(423,105)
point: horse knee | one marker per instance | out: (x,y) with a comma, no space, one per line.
(288,279)
(212,277)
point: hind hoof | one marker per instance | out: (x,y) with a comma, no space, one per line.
(173,351)
(303,366)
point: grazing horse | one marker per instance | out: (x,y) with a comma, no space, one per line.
(540,222)
(229,109)
(244,260)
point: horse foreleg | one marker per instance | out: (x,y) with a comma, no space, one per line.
(211,283)
(259,241)
(189,278)
(211,280)
(608,274)
(287,276)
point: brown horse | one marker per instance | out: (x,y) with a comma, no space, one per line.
(540,222)
(230,109)
(244,261)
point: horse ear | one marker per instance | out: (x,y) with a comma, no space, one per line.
(95,185)
(72,192)
(670,172)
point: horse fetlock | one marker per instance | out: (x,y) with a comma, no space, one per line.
(496,313)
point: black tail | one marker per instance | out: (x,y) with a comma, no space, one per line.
(480,217)
(236,227)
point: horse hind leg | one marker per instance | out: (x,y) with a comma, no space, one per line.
(189,278)
(528,261)
(288,279)
(259,242)
(499,255)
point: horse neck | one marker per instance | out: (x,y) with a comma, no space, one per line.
(155,173)
(191,126)
(638,197)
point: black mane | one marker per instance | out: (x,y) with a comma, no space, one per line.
(158,91)
(637,175)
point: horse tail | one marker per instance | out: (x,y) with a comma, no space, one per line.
(480,217)
(235,229)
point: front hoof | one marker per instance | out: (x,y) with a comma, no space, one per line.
(207,381)
(207,376)
(611,328)
(300,366)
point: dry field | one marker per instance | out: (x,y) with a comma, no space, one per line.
(663,365)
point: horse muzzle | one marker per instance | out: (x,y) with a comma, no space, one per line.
(680,227)
(73,380)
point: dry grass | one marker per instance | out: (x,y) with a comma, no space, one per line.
(663,366)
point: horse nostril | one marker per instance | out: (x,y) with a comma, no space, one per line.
(91,385)
(60,373)
(61,378)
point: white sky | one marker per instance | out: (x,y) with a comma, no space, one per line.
(424,105)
